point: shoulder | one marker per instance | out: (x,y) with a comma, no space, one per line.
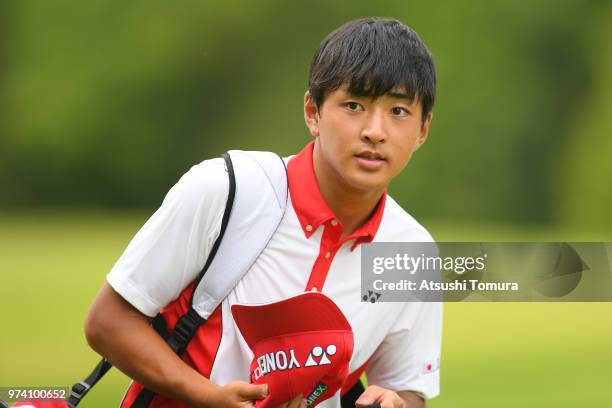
(200,193)
(398,225)
(205,176)
(203,181)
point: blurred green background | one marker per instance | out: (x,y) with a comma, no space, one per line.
(103,105)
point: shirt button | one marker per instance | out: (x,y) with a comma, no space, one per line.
(334,223)
(309,228)
(327,255)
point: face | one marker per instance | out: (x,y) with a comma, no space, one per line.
(362,143)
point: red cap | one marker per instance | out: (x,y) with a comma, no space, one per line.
(301,345)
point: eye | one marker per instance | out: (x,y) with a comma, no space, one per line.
(353,106)
(399,111)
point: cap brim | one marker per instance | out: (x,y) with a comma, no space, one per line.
(308,311)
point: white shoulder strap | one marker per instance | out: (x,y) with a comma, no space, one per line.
(258,208)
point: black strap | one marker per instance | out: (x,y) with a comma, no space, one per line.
(189,323)
(159,325)
(224,221)
(80,389)
(350,397)
(186,327)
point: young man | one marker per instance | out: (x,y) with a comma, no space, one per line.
(368,108)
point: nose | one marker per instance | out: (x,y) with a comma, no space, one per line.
(373,131)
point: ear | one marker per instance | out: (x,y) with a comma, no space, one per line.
(424,131)
(311,115)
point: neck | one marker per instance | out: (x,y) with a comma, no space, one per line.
(351,206)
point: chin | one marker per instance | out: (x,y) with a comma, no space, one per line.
(367,184)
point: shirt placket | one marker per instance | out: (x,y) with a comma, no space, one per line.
(330,244)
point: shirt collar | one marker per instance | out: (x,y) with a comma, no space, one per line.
(310,206)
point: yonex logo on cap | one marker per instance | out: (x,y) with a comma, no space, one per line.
(282,360)
(317,351)
(275,361)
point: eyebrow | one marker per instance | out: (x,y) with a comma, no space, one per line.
(400,95)
(392,94)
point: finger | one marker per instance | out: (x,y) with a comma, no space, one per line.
(251,392)
(370,396)
(297,402)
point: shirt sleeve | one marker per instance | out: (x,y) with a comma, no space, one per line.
(408,359)
(170,249)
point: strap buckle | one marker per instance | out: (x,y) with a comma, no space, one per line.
(79,390)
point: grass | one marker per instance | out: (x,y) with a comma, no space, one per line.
(494,354)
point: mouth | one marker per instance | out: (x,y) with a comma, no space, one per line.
(370,155)
(370,160)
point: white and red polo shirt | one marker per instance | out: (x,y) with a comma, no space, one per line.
(398,344)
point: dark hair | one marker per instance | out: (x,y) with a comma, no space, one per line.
(373,56)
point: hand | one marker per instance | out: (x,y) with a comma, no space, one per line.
(378,395)
(238,394)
